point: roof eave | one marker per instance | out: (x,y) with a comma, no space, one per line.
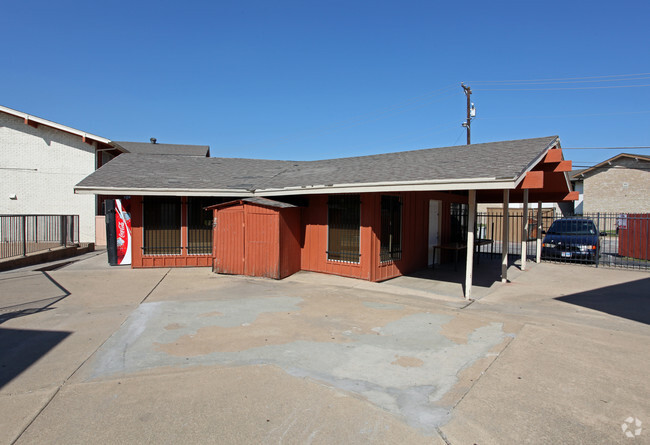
(127,191)
(60,127)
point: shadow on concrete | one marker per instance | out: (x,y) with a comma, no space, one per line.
(629,300)
(449,278)
(21,348)
(35,306)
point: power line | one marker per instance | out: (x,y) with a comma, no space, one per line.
(563,88)
(562,78)
(566,115)
(611,167)
(641,147)
(533,82)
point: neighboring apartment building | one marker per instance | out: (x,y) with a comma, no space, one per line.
(620,184)
(41,161)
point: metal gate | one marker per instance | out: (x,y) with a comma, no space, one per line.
(620,240)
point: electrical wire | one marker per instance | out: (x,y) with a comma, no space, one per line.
(641,147)
(563,88)
(577,79)
(570,81)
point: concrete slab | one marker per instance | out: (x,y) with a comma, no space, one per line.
(250,404)
(17,411)
(561,385)
(395,355)
(324,359)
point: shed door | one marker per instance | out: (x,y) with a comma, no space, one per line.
(262,245)
(230,242)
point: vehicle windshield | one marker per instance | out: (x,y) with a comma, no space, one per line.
(572,227)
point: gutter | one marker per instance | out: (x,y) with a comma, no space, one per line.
(441,185)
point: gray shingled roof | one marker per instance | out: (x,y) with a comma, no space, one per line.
(258,200)
(573,174)
(147,148)
(505,160)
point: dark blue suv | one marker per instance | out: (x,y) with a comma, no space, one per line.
(572,239)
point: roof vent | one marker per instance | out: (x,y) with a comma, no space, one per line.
(153,140)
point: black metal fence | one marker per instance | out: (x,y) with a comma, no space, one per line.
(21,235)
(599,239)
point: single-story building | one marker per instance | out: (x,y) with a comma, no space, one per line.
(369,217)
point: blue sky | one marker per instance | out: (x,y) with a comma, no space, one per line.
(310,80)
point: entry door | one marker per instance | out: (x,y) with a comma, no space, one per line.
(434,230)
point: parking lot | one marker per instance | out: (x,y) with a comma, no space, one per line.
(93,354)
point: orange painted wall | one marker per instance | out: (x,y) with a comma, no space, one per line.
(415,234)
(142,261)
(290,239)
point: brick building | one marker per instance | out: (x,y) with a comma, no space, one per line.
(618,185)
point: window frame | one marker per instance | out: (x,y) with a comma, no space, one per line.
(386,253)
(342,256)
(164,250)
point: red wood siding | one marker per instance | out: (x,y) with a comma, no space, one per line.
(262,244)
(314,250)
(290,241)
(415,232)
(257,241)
(141,261)
(415,235)
(229,241)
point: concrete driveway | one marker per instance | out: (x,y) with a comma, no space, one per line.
(93,354)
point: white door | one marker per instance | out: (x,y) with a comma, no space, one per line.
(434,230)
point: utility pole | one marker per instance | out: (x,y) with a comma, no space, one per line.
(471,111)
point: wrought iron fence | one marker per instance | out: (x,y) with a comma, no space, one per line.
(600,239)
(21,235)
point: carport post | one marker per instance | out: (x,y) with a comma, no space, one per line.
(524,231)
(538,257)
(470,243)
(504,237)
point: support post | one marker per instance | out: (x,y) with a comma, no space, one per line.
(505,236)
(538,256)
(471,221)
(524,231)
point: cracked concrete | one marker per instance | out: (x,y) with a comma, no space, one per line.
(404,365)
(560,355)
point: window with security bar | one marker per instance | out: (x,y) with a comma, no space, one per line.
(161,225)
(343,221)
(391,229)
(199,225)
(459,216)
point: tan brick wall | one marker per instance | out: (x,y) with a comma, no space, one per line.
(617,189)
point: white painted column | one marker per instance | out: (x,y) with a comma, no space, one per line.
(504,236)
(524,231)
(471,221)
(538,257)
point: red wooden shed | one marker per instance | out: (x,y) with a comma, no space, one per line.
(256,237)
